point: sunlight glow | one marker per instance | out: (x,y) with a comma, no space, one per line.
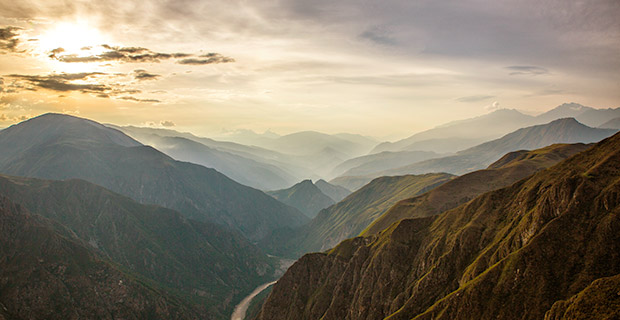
(75,38)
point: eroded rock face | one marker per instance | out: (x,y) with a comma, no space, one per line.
(514,251)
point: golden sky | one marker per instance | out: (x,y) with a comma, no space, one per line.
(383,68)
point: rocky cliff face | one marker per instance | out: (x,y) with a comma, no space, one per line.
(513,251)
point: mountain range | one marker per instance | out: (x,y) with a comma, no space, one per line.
(566,130)
(544,247)
(54,146)
(350,216)
(202,264)
(460,135)
(47,275)
(509,169)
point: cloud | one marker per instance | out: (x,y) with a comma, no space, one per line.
(209,58)
(167,123)
(141,74)
(121,54)
(474,98)
(527,70)
(102,86)
(9,39)
(61,82)
(494,106)
(134,99)
(378,36)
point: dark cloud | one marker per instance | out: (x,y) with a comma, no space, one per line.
(527,70)
(62,82)
(378,36)
(130,98)
(209,58)
(474,98)
(140,74)
(70,82)
(167,123)
(121,54)
(9,39)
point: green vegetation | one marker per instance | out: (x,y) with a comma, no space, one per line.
(198,263)
(350,216)
(509,169)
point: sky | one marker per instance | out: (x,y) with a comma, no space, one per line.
(382,68)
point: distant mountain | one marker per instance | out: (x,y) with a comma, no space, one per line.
(47,275)
(461,134)
(59,147)
(611,124)
(200,263)
(559,131)
(350,216)
(246,171)
(353,183)
(337,193)
(249,137)
(589,116)
(320,152)
(545,247)
(304,196)
(509,169)
(380,161)
(261,155)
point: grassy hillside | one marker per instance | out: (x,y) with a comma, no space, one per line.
(509,169)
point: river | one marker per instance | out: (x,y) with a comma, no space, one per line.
(242,307)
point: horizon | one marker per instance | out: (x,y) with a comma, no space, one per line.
(386,70)
(222,136)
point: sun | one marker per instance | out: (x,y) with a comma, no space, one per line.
(71,38)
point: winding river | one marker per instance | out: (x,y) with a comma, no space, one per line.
(242,307)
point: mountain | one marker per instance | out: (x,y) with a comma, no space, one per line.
(380,162)
(611,124)
(509,169)
(460,135)
(304,196)
(47,275)
(320,152)
(200,263)
(350,216)
(589,116)
(58,147)
(249,137)
(337,193)
(565,110)
(261,155)
(531,249)
(559,131)
(246,171)
(353,182)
